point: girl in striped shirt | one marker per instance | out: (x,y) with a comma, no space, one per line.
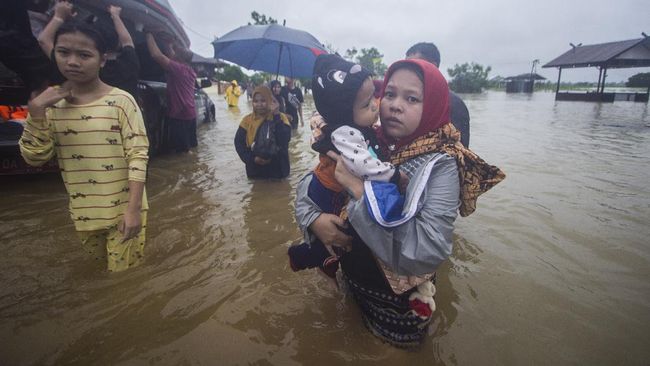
(98,136)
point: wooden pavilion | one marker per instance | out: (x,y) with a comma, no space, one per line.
(612,55)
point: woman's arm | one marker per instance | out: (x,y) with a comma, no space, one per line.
(37,142)
(283,132)
(123,34)
(310,218)
(244,152)
(63,10)
(131,224)
(421,243)
(134,139)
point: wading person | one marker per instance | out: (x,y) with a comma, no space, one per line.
(232,94)
(97,133)
(181,81)
(294,98)
(262,139)
(382,265)
(458,110)
(276,88)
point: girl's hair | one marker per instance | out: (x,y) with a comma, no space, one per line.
(86,29)
(412,67)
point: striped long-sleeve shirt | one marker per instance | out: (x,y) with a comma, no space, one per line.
(100,146)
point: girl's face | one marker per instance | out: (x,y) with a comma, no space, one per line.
(77,57)
(402,104)
(364,109)
(260,106)
(276,89)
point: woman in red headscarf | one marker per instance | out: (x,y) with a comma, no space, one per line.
(400,241)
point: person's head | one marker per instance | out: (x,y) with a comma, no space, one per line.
(343,92)
(288,82)
(415,101)
(276,87)
(79,51)
(424,51)
(233,83)
(262,100)
(182,54)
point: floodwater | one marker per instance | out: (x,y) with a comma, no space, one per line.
(552,269)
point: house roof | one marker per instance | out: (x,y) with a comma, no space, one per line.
(526,76)
(621,54)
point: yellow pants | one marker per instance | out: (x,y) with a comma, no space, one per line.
(106,244)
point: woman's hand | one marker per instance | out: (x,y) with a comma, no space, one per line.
(327,228)
(47,98)
(64,10)
(261,161)
(352,184)
(114,11)
(130,225)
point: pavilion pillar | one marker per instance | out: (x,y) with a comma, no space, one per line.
(602,87)
(559,76)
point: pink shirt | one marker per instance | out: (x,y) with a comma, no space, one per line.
(181,80)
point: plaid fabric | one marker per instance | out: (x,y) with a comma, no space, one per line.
(388,316)
(476,176)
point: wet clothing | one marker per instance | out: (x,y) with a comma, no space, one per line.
(181,81)
(100,147)
(294,100)
(459,117)
(279,166)
(389,317)
(181,138)
(106,244)
(232,95)
(123,72)
(420,237)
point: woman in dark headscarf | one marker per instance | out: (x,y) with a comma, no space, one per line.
(265,108)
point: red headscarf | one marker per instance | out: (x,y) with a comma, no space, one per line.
(435,111)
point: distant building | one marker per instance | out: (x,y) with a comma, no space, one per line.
(523,83)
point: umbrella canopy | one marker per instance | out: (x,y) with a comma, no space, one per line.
(272,48)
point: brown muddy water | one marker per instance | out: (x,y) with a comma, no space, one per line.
(552,269)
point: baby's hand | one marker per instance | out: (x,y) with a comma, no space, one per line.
(403,182)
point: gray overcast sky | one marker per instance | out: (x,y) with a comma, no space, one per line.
(505,34)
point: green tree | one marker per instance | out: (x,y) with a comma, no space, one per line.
(469,78)
(260,78)
(641,80)
(231,72)
(371,59)
(261,19)
(351,54)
